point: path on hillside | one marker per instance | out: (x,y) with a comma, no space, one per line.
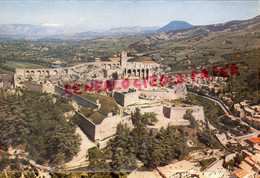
(216,167)
(80,158)
(220,103)
(224,108)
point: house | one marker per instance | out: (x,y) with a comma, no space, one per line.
(240,173)
(253,141)
(249,111)
(254,122)
(241,112)
(232,143)
(251,164)
(244,103)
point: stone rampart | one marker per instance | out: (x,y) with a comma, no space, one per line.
(33,86)
(77,98)
(178,91)
(177,113)
(86,125)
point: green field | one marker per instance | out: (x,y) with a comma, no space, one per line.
(14,64)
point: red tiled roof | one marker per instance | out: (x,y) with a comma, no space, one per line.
(254,140)
(149,62)
(114,59)
(249,157)
(249,118)
(117,59)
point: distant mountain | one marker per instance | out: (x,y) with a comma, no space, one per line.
(132,30)
(26,30)
(117,31)
(175,25)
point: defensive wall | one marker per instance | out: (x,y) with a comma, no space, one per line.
(89,70)
(33,86)
(178,91)
(131,68)
(125,99)
(168,115)
(77,98)
(86,125)
(177,113)
(103,131)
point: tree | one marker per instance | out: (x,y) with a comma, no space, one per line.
(97,161)
(207,138)
(123,153)
(115,75)
(32,119)
(188,116)
(149,118)
(146,118)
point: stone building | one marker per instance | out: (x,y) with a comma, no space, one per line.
(126,98)
(91,70)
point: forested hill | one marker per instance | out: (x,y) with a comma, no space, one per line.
(35,122)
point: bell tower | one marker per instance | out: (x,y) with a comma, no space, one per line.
(123,59)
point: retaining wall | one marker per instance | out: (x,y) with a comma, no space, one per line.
(33,86)
(86,126)
(78,99)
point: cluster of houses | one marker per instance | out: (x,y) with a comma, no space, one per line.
(214,84)
(249,114)
(250,165)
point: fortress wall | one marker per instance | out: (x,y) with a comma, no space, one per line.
(131,98)
(177,113)
(86,126)
(59,90)
(127,98)
(102,131)
(33,86)
(19,72)
(178,91)
(108,126)
(42,72)
(119,97)
(77,98)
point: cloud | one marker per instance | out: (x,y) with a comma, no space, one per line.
(81,20)
(51,25)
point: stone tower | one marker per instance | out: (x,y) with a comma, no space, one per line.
(123,59)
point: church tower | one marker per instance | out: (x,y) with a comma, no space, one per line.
(123,59)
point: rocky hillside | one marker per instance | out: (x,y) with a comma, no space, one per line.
(232,26)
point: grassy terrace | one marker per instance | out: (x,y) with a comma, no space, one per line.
(15,64)
(108,105)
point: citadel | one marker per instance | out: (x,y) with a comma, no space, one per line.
(149,98)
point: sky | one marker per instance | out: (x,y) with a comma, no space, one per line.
(102,15)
